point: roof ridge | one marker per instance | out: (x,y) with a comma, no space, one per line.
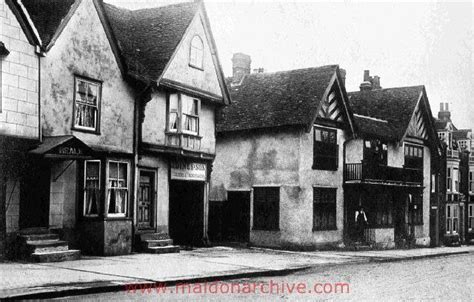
(389,88)
(291,70)
(371,118)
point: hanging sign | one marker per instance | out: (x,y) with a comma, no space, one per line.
(182,170)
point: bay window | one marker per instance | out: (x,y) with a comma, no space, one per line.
(91,187)
(452,218)
(117,188)
(86,114)
(183,121)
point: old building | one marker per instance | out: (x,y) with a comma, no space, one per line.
(387,167)
(458,210)
(125,123)
(19,116)
(278,175)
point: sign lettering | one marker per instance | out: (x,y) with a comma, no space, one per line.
(188,171)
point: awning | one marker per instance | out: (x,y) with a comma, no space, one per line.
(64,147)
(3,50)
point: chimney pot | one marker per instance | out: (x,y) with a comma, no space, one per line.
(366,75)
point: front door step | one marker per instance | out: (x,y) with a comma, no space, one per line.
(157,243)
(41,245)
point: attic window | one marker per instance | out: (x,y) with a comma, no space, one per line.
(196,53)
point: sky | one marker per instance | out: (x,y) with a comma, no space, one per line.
(405,43)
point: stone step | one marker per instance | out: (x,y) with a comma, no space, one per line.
(34,231)
(160,242)
(37,237)
(40,246)
(163,249)
(154,236)
(56,256)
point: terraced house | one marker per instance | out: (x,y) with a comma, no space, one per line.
(297,158)
(122,123)
(278,175)
(389,167)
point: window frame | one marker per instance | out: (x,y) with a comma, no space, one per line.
(471,181)
(317,157)
(452,219)
(180,119)
(272,228)
(324,207)
(413,156)
(192,50)
(107,187)
(417,209)
(84,212)
(96,129)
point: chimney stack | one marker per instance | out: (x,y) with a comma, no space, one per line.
(240,67)
(444,114)
(343,75)
(370,83)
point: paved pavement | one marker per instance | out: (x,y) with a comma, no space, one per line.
(95,274)
(445,278)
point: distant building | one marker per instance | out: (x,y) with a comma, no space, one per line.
(459,180)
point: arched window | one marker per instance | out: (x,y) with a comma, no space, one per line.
(196,52)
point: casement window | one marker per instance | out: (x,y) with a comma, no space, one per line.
(325,149)
(413,156)
(183,114)
(324,209)
(452,218)
(266,208)
(456,179)
(471,181)
(196,52)
(375,152)
(417,209)
(470,217)
(449,181)
(91,188)
(87,97)
(117,188)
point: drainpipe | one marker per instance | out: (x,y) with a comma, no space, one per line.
(39,54)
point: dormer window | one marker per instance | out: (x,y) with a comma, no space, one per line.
(196,53)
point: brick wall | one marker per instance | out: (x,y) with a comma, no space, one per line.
(19,79)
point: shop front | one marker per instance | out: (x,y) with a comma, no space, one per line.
(188,203)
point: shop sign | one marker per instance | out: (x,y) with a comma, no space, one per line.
(181,170)
(70,151)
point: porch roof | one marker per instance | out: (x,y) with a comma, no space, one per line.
(64,146)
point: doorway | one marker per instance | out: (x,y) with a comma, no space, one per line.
(34,195)
(237,216)
(186,212)
(146,200)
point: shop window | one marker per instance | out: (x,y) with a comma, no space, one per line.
(326,149)
(470,217)
(117,188)
(91,187)
(452,218)
(86,105)
(324,209)
(183,114)
(417,209)
(383,211)
(196,52)
(266,208)
(375,152)
(413,156)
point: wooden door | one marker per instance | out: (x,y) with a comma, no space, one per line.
(146,198)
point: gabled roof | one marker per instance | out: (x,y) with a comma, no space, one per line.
(285,98)
(374,127)
(148,38)
(461,134)
(47,16)
(395,105)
